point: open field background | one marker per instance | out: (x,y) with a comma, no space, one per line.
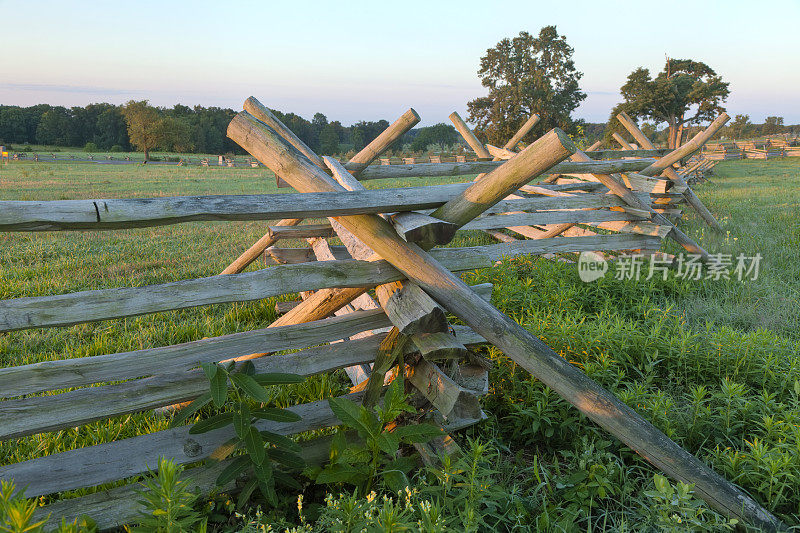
(714,364)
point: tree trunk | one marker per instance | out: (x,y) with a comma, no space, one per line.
(147,154)
(673,133)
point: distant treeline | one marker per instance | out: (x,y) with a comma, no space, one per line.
(104,126)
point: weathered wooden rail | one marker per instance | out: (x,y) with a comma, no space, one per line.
(393,243)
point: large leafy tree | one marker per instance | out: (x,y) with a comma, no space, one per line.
(441,134)
(772,125)
(148,129)
(685,92)
(527,75)
(739,126)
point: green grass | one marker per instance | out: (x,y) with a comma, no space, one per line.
(714,364)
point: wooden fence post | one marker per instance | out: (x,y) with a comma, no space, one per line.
(670,172)
(516,342)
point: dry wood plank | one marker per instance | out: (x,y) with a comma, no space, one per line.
(412,311)
(594,146)
(143,212)
(574,201)
(476,145)
(68,373)
(640,227)
(439,346)
(109,214)
(687,149)
(670,172)
(622,142)
(618,188)
(104,463)
(540,218)
(471,168)
(443,393)
(536,159)
(118,506)
(361,159)
(266,116)
(103,304)
(382,142)
(300,232)
(252,253)
(45,413)
(417,227)
(323,252)
(512,143)
(500,153)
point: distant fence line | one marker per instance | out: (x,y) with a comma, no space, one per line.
(767,149)
(247,162)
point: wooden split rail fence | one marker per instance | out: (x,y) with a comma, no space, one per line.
(393,243)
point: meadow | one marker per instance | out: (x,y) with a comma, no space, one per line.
(713,364)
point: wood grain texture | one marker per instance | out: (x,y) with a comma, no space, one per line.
(303,231)
(103,304)
(45,413)
(77,372)
(473,142)
(540,218)
(144,212)
(255,108)
(252,253)
(472,168)
(670,172)
(382,142)
(536,159)
(512,143)
(412,311)
(423,229)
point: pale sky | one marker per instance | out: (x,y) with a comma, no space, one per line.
(373,60)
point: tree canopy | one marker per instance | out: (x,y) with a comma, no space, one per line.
(684,92)
(441,134)
(527,75)
(148,129)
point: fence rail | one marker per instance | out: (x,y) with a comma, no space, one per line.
(600,205)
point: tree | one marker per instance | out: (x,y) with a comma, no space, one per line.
(683,87)
(772,125)
(527,75)
(111,129)
(12,125)
(54,127)
(148,129)
(329,140)
(357,136)
(441,134)
(143,130)
(739,126)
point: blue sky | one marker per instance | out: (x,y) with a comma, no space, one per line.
(371,60)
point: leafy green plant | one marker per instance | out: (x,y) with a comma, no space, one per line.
(468,494)
(675,508)
(375,456)
(16,514)
(233,391)
(168,503)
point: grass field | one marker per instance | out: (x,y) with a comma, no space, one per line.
(714,364)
